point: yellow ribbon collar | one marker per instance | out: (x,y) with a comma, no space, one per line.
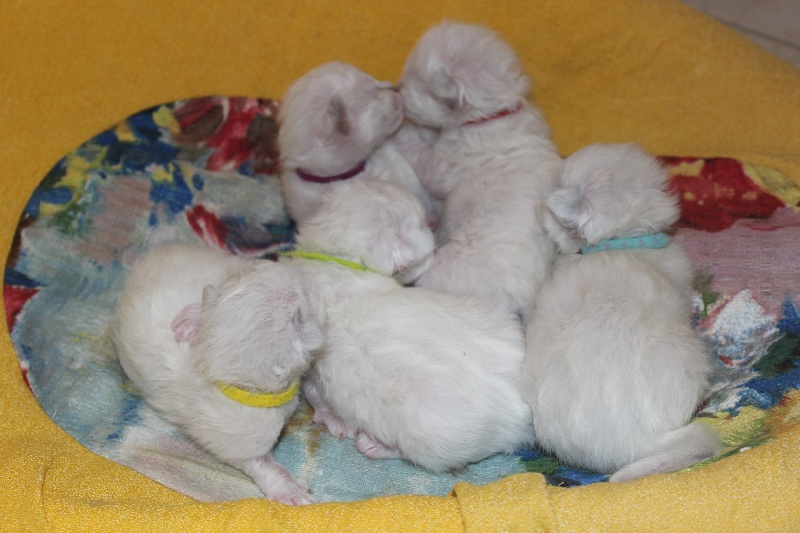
(318,256)
(258,399)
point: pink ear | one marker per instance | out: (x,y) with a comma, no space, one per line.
(338,113)
(570,206)
(184,325)
(448,89)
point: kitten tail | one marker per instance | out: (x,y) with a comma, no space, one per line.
(676,450)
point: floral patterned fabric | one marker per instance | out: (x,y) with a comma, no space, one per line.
(203,171)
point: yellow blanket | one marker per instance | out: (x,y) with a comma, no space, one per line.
(623,70)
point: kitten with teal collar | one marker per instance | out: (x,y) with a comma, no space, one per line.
(614,371)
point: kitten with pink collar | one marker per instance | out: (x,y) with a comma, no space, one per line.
(492,164)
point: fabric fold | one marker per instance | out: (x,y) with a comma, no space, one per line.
(657,73)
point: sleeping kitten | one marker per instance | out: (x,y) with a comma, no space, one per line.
(337,124)
(216,345)
(614,370)
(492,164)
(407,372)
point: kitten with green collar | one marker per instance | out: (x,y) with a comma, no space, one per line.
(407,372)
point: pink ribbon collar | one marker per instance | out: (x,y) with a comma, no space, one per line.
(504,113)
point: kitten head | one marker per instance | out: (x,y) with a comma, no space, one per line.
(258,329)
(377,223)
(613,190)
(334,117)
(460,72)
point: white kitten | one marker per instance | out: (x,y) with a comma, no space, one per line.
(377,223)
(407,372)
(203,366)
(614,370)
(336,124)
(493,164)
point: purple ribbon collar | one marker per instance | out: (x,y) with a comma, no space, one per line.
(305,176)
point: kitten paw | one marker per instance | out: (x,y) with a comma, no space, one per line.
(374,449)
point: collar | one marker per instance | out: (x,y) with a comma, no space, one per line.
(258,399)
(653,241)
(319,256)
(305,176)
(504,113)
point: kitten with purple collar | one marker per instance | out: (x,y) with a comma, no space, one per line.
(337,124)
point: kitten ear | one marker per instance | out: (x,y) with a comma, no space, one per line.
(411,248)
(448,89)
(337,113)
(570,206)
(184,325)
(209,293)
(306,321)
(566,240)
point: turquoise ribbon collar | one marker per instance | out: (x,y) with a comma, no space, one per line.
(654,241)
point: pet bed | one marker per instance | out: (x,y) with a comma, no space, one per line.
(202,170)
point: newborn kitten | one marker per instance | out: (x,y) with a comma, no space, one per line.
(216,345)
(493,164)
(336,125)
(614,370)
(407,372)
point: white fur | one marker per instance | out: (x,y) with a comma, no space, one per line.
(493,176)
(407,372)
(614,370)
(613,190)
(333,118)
(254,328)
(377,222)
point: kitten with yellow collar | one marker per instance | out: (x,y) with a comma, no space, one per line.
(216,345)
